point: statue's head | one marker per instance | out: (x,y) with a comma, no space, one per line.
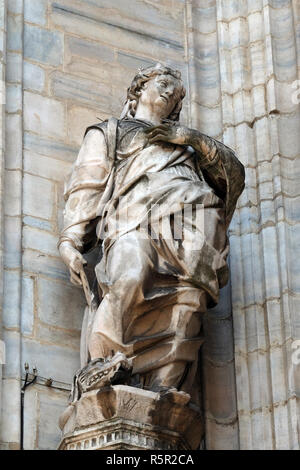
(157,79)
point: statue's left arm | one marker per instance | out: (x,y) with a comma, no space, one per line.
(217,162)
(221,169)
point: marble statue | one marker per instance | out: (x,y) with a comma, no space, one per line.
(148,205)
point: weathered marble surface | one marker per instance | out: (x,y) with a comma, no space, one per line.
(268,145)
(122,417)
(134,178)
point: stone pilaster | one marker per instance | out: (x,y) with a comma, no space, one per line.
(243,72)
(12,226)
(258,49)
(2,156)
(206,114)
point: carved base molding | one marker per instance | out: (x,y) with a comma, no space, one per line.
(123,417)
(122,434)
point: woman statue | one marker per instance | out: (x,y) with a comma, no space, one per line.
(155,198)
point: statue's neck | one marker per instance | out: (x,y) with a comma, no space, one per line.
(144,113)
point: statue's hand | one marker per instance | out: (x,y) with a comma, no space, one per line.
(171,133)
(74,260)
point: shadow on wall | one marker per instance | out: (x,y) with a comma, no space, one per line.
(218,376)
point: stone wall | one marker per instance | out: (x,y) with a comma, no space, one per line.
(67,64)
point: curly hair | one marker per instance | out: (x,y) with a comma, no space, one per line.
(137,85)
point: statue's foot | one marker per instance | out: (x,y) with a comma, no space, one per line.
(174,395)
(101,373)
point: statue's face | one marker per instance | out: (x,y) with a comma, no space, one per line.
(161,94)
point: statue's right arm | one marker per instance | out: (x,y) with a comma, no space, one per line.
(82,194)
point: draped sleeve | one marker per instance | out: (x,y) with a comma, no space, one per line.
(85,188)
(223,172)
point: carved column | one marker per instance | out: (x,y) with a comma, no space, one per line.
(243,70)
(259,51)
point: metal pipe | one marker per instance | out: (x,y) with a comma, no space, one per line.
(23,389)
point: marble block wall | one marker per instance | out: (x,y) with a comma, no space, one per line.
(65,64)
(68,64)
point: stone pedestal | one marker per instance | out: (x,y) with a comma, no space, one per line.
(123,417)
